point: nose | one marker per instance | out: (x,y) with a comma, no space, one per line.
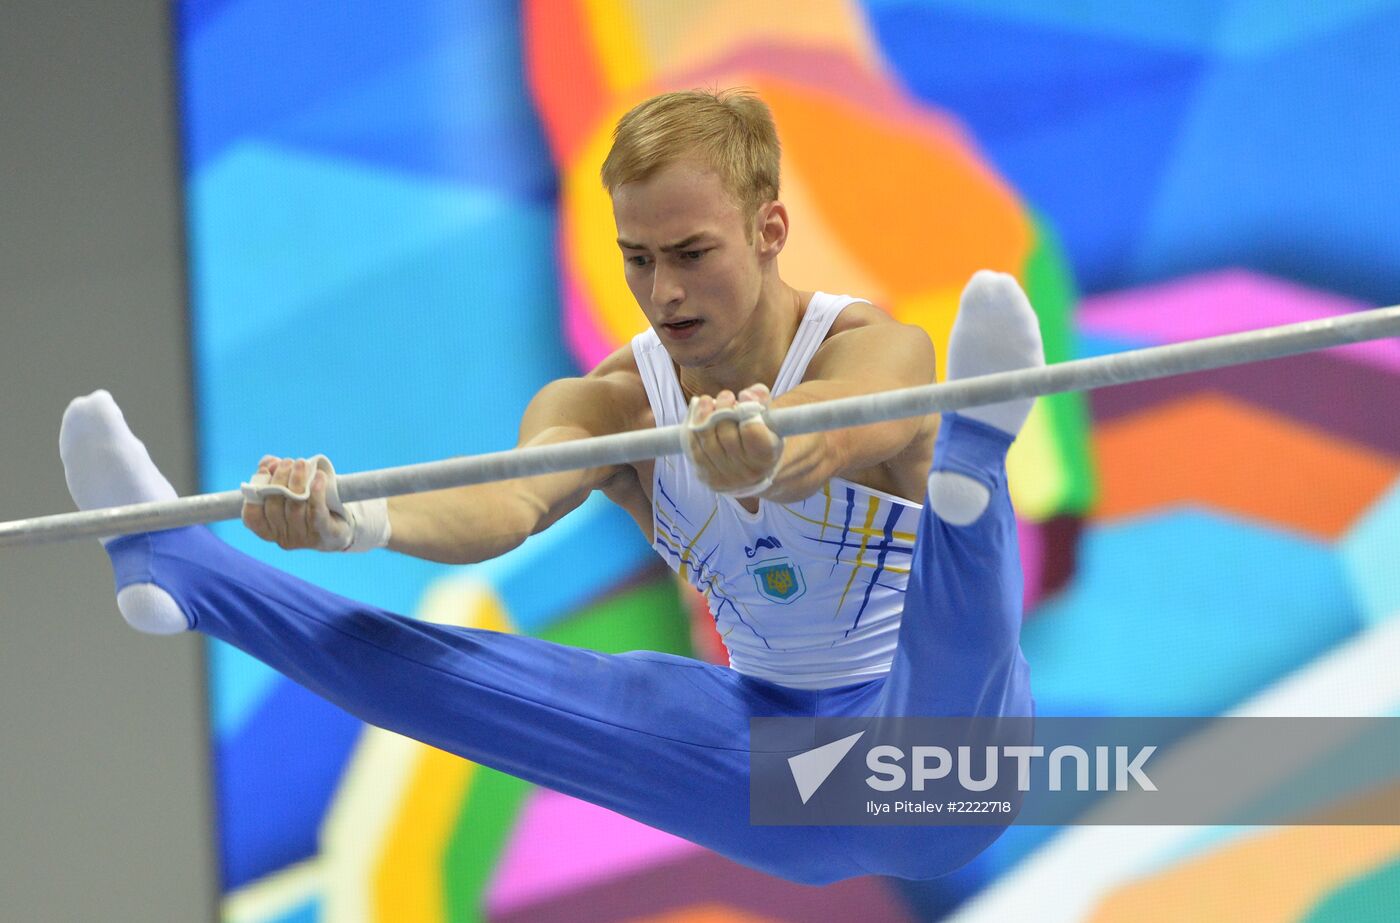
(665,287)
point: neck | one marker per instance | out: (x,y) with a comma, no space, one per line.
(758,350)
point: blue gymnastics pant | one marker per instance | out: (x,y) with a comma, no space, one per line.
(656,737)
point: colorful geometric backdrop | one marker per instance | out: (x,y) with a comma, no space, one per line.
(396,235)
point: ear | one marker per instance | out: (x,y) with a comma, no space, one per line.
(772,229)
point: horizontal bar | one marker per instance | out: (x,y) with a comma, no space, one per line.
(1078,375)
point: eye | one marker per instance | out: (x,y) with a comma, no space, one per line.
(692,256)
(636,260)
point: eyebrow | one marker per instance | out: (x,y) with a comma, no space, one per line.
(669,248)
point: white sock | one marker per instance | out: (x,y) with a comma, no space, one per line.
(105,465)
(996,331)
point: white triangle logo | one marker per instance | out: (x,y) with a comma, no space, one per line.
(810,769)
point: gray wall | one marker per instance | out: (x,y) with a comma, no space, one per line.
(104,795)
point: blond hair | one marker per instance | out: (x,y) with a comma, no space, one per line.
(731,131)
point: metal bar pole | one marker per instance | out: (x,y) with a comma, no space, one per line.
(1079,375)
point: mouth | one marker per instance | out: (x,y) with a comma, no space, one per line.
(682,328)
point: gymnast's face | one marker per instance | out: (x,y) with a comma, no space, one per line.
(695,273)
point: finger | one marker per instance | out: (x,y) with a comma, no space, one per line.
(732,465)
(697,415)
(323,523)
(300,476)
(256,521)
(282,471)
(267,465)
(715,445)
(313,534)
(749,445)
(749,454)
(252,513)
(730,446)
(758,392)
(761,445)
(703,425)
(275,506)
(703,408)
(703,449)
(726,431)
(706,413)
(297,532)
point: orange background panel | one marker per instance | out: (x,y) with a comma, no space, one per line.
(1259,879)
(1213,451)
(564,73)
(921,210)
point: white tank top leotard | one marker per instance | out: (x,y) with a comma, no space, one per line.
(806,594)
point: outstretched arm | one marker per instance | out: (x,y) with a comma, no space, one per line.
(878,356)
(476,523)
(467,524)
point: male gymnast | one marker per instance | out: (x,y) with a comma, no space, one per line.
(836,591)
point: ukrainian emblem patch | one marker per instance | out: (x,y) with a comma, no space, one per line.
(779,580)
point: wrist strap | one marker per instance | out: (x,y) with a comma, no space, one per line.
(369,521)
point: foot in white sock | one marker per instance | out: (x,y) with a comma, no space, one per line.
(105,465)
(996,331)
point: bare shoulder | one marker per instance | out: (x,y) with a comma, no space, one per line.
(866,337)
(621,380)
(860,314)
(619,367)
(607,400)
(868,350)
